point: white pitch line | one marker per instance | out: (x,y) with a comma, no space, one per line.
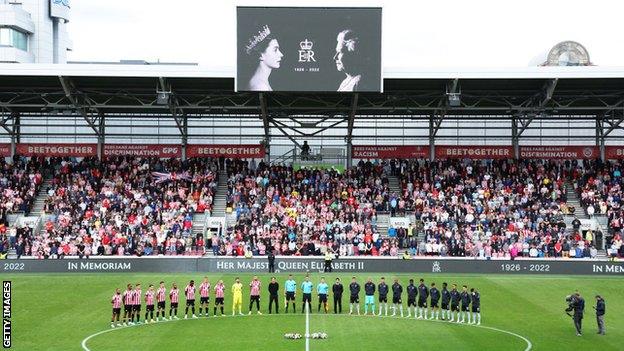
(529,345)
(307,331)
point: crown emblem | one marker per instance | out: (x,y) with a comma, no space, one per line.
(306,44)
(258,38)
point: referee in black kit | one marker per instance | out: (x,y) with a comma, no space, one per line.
(337,289)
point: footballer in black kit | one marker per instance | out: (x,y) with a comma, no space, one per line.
(465,304)
(423,294)
(476,306)
(397,291)
(412,293)
(454,302)
(383,295)
(435,298)
(446,299)
(354,299)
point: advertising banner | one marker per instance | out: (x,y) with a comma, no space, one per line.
(614,152)
(313,264)
(231,151)
(550,152)
(390,151)
(398,222)
(5,149)
(143,150)
(57,150)
(308,49)
(474,152)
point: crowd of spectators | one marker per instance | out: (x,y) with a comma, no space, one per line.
(145,206)
(493,208)
(20,181)
(306,211)
(600,188)
(123,206)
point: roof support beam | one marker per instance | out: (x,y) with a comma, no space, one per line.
(70,90)
(351,118)
(265,119)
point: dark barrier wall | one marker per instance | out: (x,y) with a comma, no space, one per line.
(289,264)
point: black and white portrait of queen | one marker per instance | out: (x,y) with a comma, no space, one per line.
(264,53)
(348,60)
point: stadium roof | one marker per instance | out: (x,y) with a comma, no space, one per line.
(132,88)
(95,91)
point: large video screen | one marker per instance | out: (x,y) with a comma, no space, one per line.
(308,49)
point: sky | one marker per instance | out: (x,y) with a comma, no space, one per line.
(416,34)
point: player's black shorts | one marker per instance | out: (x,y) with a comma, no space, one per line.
(161,305)
(396,299)
(128,308)
(218,301)
(454,307)
(190,302)
(253,298)
(136,308)
(322,298)
(149,308)
(307,297)
(465,308)
(434,303)
(204,300)
(411,302)
(422,303)
(116,310)
(445,305)
(174,305)
(290,296)
(476,309)
(383,298)
(354,299)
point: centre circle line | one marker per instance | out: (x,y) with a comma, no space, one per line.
(529,345)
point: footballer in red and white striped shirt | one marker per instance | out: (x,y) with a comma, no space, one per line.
(204,296)
(190,299)
(161,295)
(128,300)
(136,308)
(254,294)
(174,297)
(149,303)
(219,296)
(116,301)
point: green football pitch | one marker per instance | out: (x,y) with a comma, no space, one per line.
(72,312)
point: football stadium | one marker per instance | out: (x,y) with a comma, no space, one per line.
(308,197)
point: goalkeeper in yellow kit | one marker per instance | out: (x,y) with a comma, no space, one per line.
(237,297)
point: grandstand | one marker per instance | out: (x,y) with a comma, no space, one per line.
(123,160)
(310,174)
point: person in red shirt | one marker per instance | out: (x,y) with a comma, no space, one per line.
(174,296)
(116,301)
(558,249)
(149,304)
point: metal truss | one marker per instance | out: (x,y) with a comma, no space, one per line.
(296,116)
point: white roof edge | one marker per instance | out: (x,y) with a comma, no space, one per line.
(181,71)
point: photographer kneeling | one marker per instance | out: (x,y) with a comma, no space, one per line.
(576,303)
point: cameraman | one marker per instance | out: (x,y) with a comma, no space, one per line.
(600,312)
(576,303)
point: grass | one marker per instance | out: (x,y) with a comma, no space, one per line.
(58,311)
